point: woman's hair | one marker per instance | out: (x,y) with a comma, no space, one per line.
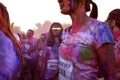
(51,37)
(5,28)
(94,11)
(114,15)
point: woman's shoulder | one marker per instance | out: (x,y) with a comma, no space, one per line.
(3,39)
(7,55)
(96,22)
(66,30)
(5,43)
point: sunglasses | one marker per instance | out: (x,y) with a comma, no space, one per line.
(57,28)
(28,32)
(42,37)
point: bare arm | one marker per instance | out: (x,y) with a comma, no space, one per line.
(54,75)
(107,58)
(44,61)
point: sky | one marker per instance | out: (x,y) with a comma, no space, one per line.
(26,13)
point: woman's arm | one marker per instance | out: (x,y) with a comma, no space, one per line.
(54,75)
(44,62)
(107,58)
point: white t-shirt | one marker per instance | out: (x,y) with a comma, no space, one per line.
(17,37)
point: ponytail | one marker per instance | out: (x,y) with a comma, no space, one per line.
(94,12)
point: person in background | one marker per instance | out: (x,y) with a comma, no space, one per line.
(41,42)
(113,20)
(85,44)
(16,35)
(11,59)
(50,58)
(30,56)
(40,46)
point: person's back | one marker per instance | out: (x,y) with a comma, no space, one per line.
(8,58)
(10,54)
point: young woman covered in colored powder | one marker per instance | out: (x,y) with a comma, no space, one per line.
(85,44)
(50,58)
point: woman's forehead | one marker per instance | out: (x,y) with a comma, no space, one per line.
(56,25)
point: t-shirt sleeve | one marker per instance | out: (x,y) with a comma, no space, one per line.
(103,35)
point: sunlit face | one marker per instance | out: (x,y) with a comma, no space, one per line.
(64,6)
(56,29)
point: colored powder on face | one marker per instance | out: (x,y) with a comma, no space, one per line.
(85,54)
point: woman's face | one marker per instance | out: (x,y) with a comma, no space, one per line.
(29,34)
(65,6)
(56,29)
(111,24)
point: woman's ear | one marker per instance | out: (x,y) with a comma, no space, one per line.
(113,23)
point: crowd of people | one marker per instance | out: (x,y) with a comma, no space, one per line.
(89,49)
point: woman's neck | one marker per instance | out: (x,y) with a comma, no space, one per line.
(78,20)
